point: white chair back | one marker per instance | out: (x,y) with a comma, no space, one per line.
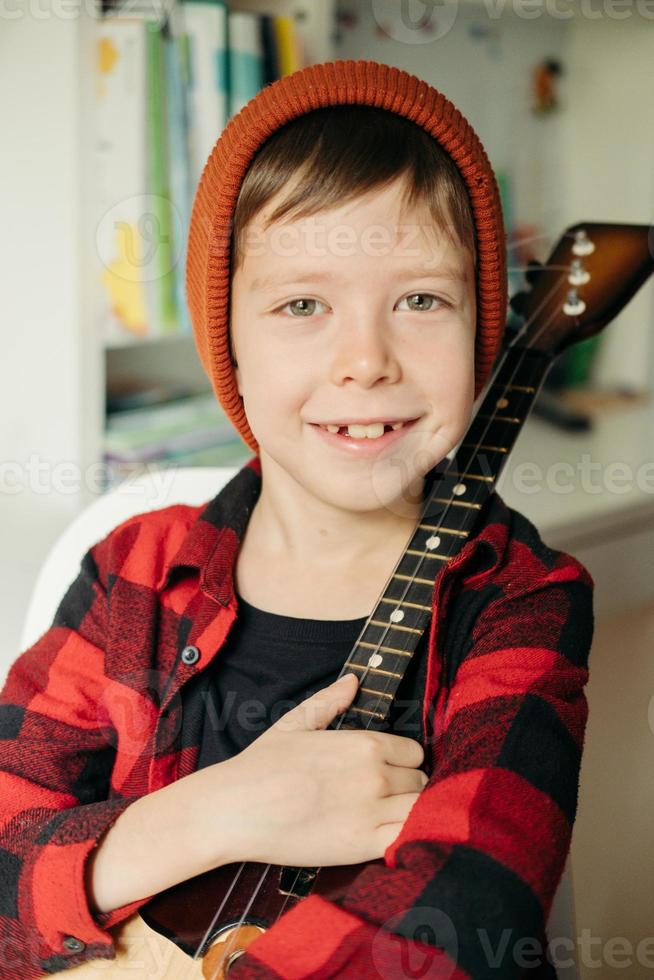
(149,491)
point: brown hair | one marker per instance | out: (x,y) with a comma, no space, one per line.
(340,152)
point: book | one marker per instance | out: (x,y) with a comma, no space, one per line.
(157,223)
(271,68)
(246,59)
(158,431)
(121,100)
(133,236)
(205,24)
(131,392)
(288,44)
(177,67)
(169,416)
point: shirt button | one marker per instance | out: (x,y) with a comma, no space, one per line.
(190,655)
(73,945)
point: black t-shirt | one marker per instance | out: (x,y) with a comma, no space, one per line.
(269,663)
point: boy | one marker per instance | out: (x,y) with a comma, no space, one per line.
(345,268)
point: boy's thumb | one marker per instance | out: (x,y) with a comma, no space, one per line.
(317,711)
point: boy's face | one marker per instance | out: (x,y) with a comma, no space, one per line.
(358,312)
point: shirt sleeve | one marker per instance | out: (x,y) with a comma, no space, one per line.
(465,889)
(57,751)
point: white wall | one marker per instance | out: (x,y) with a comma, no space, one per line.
(488,79)
(608,139)
(42,180)
(45,304)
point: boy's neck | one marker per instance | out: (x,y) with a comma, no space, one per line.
(292,527)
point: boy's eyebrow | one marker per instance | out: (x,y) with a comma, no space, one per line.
(276,279)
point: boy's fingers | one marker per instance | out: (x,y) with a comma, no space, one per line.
(317,711)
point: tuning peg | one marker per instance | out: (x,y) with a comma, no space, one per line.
(582,243)
(574,304)
(578,275)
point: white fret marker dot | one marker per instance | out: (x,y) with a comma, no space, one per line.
(375,659)
(459,488)
(432,542)
(397,616)
(502,402)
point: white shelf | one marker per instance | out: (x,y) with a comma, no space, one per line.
(135,343)
(585,503)
(579,495)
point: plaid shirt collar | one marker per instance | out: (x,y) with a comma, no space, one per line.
(211,543)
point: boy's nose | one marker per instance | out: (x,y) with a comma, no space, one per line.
(363,352)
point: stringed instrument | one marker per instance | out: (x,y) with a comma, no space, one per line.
(200,927)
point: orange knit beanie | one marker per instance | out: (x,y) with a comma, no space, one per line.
(314,87)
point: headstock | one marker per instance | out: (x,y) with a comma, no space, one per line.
(590,276)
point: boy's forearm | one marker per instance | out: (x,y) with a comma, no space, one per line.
(161,839)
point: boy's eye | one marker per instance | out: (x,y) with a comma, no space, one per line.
(425,302)
(305,307)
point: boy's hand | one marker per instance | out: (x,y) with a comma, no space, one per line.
(303,796)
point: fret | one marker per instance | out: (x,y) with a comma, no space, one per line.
(405,602)
(443,530)
(411,578)
(381,694)
(490,462)
(366,711)
(395,626)
(376,647)
(412,566)
(523,369)
(473,476)
(499,418)
(526,388)
(373,670)
(490,449)
(372,700)
(420,590)
(427,554)
(456,503)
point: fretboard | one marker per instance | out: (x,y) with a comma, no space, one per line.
(455,493)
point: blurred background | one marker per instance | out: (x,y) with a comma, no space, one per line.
(108,114)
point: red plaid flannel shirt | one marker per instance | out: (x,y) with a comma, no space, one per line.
(473,872)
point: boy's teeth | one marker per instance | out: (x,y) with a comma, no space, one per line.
(373,431)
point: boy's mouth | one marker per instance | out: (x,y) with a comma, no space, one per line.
(360,430)
(359,434)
